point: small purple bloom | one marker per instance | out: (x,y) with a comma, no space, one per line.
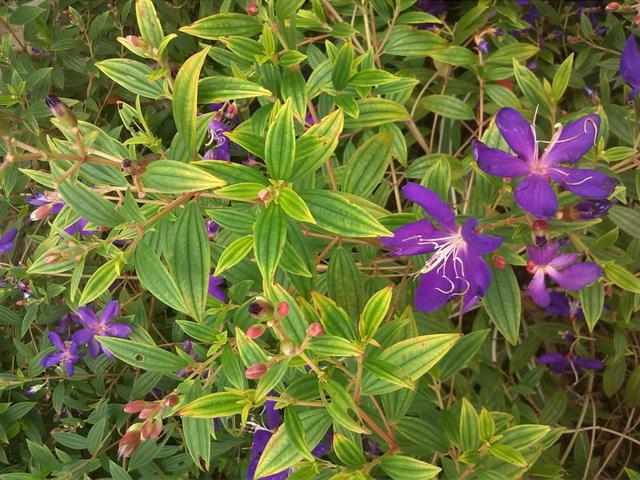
(630,65)
(220,148)
(78,227)
(456,266)
(534,193)
(63,323)
(590,209)
(561,267)
(558,362)
(211,227)
(24,289)
(482,45)
(6,240)
(96,328)
(66,355)
(47,203)
(214,287)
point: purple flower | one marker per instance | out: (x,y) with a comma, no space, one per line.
(6,240)
(214,287)
(78,227)
(96,328)
(531,15)
(220,148)
(456,266)
(24,289)
(66,355)
(562,305)
(211,227)
(590,209)
(48,203)
(561,267)
(630,65)
(483,45)
(534,193)
(434,7)
(63,323)
(559,362)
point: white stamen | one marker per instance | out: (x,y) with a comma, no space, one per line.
(586,179)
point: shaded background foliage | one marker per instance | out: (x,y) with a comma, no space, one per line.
(397,91)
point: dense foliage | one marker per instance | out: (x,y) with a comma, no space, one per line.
(319,239)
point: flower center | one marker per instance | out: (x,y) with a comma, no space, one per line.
(447,263)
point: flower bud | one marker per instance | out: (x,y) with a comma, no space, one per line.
(499,261)
(254,331)
(612,7)
(287,348)
(531,266)
(135,41)
(252,8)
(260,308)
(170,400)
(255,371)
(282,308)
(151,429)
(315,329)
(60,111)
(264,195)
(130,441)
(52,258)
(590,209)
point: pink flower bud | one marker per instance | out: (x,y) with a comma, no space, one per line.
(315,329)
(254,331)
(151,429)
(499,261)
(135,406)
(264,195)
(252,8)
(40,212)
(134,40)
(612,7)
(130,441)
(282,308)
(255,371)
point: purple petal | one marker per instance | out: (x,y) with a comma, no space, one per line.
(87,316)
(93,348)
(110,311)
(83,335)
(214,290)
(68,367)
(559,305)
(584,182)
(57,342)
(478,242)
(51,359)
(497,162)
(563,260)
(477,274)
(534,195)
(413,238)
(259,441)
(574,140)
(430,203)
(630,61)
(591,363)
(37,199)
(434,289)
(538,291)
(543,255)
(576,276)
(118,329)
(556,361)
(8,236)
(273,416)
(56,208)
(518,133)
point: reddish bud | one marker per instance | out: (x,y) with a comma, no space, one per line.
(531,266)
(252,8)
(53,258)
(499,261)
(255,371)
(254,331)
(282,308)
(505,82)
(130,441)
(149,412)
(315,329)
(41,212)
(170,400)
(151,429)
(539,224)
(135,406)
(612,7)
(264,195)
(260,307)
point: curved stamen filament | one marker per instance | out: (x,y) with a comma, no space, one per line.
(566,174)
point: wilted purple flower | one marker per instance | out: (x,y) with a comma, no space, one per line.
(630,65)
(96,328)
(214,287)
(25,291)
(531,15)
(561,267)
(590,209)
(482,45)
(48,203)
(534,193)
(561,304)
(220,148)
(456,266)
(532,64)
(212,227)
(78,227)
(60,111)
(66,355)
(6,240)
(559,362)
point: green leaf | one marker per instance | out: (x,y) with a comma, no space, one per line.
(70,440)
(632,388)
(592,301)
(410,42)
(345,284)
(198,331)
(621,277)
(329,128)
(234,253)
(374,312)
(335,214)
(270,379)
(148,22)
(101,280)
(293,205)
(170,176)
(269,236)
(334,319)
(88,203)
(214,405)
(279,453)
(155,278)
(132,75)
(461,353)
(366,167)
(295,432)
(185,99)
(117,472)
(508,454)
(469,437)
(294,322)
(371,77)
(415,355)
(502,302)
(513,52)
(523,436)
(389,373)
(280,145)
(141,355)
(342,67)
(231,173)
(448,107)
(375,112)
(197,431)
(224,25)
(334,346)
(628,219)
(243,191)
(95,436)
(561,78)
(401,467)
(190,260)
(222,89)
